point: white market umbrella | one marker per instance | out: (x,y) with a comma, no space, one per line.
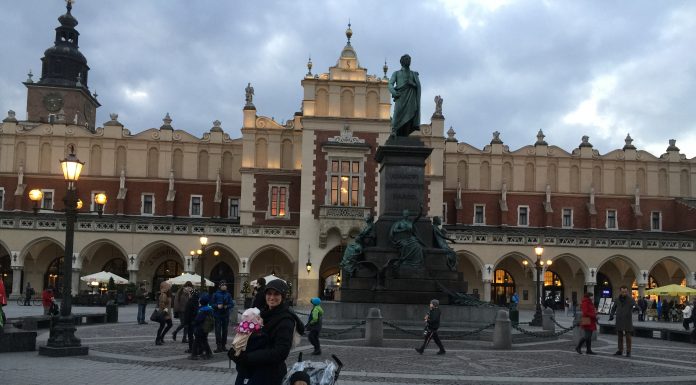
(194,278)
(103,277)
(268,279)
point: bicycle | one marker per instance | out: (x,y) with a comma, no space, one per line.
(33,301)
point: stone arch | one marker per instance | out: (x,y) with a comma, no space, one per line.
(322,102)
(641,180)
(508,176)
(471,266)
(329,272)
(27,248)
(227,166)
(347,103)
(265,248)
(272,259)
(261,158)
(620,270)
(372,104)
(227,254)
(664,262)
(153,246)
(92,247)
(157,259)
(520,257)
(583,268)
(43,252)
(573,273)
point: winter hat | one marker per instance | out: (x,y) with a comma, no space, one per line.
(278,285)
(299,376)
(435,303)
(315,301)
(204,299)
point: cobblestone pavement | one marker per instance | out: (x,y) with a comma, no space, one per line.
(125,353)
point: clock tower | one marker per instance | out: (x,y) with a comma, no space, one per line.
(62,94)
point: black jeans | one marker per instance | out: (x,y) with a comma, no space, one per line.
(432,335)
(162,331)
(189,334)
(221,326)
(201,346)
(313,338)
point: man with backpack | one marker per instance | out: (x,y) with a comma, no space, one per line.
(223,304)
(202,325)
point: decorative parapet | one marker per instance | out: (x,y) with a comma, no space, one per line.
(343,219)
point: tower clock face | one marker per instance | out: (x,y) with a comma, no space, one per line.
(53,102)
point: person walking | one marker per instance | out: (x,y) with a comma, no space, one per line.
(314,324)
(141,300)
(432,322)
(642,308)
(164,306)
(188,316)
(201,328)
(223,304)
(623,311)
(28,293)
(588,323)
(688,312)
(180,301)
(659,308)
(47,299)
(514,301)
(279,325)
(260,297)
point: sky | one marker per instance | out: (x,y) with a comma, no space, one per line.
(571,68)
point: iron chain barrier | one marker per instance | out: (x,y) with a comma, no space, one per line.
(444,337)
(343,331)
(542,334)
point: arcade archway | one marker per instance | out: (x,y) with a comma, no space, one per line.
(330,274)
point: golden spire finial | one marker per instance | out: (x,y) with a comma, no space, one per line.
(349,32)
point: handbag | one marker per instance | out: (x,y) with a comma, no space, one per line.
(156,316)
(585,321)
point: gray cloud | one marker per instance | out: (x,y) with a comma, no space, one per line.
(570,68)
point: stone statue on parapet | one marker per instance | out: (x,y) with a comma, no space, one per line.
(249,95)
(406,91)
(440,240)
(404,237)
(354,250)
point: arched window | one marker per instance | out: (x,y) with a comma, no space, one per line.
(597,179)
(641,181)
(463,174)
(120,160)
(54,276)
(223,272)
(20,155)
(372,104)
(286,155)
(553,290)
(322,102)
(45,157)
(116,266)
(227,165)
(95,158)
(507,175)
(178,163)
(485,176)
(553,177)
(152,162)
(502,287)
(261,153)
(662,183)
(619,181)
(203,165)
(574,179)
(167,269)
(529,177)
(347,103)
(684,183)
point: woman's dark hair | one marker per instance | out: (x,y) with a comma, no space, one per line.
(261,282)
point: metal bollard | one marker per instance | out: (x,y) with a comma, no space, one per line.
(502,334)
(546,321)
(374,330)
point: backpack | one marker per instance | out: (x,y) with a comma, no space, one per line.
(208,322)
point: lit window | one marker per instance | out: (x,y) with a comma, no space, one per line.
(611,219)
(196,206)
(345,177)
(279,201)
(479,214)
(656,221)
(568,218)
(523,216)
(147,206)
(233,208)
(47,201)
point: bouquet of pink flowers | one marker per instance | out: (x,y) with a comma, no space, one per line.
(250,324)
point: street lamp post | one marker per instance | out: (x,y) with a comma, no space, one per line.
(539,266)
(63,341)
(204,242)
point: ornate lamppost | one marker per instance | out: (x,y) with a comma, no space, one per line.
(62,341)
(200,255)
(539,265)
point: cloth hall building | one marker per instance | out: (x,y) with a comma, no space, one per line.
(284,195)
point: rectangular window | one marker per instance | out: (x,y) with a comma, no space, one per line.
(656,221)
(479,214)
(345,178)
(47,201)
(93,206)
(567,218)
(147,204)
(233,208)
(279,201)
(2,198)
(523,216)
(612,222)
(196,206)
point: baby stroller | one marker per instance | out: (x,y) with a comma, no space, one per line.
(320,373)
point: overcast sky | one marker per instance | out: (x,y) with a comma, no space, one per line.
(571,68)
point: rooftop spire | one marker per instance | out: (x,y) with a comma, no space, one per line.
(349,32)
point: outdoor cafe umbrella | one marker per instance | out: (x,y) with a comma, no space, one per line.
(103,277)
(194,278)
(268,279)
(673,290)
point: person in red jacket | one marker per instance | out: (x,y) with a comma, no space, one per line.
(47,300)
(588,323)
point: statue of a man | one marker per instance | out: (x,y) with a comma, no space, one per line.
(354,250)
(440,239)
(249,95)
(405,89)
(403,235)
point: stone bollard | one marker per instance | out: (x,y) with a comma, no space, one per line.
(546,321)
(502,334)
(374,330)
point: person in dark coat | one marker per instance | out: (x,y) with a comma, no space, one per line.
(589,325)
(432,321)
(260,297)
(188,315)
(643,306)
(201,348)
(623,311)
(279,325)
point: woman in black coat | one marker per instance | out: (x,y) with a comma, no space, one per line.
(279,324)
